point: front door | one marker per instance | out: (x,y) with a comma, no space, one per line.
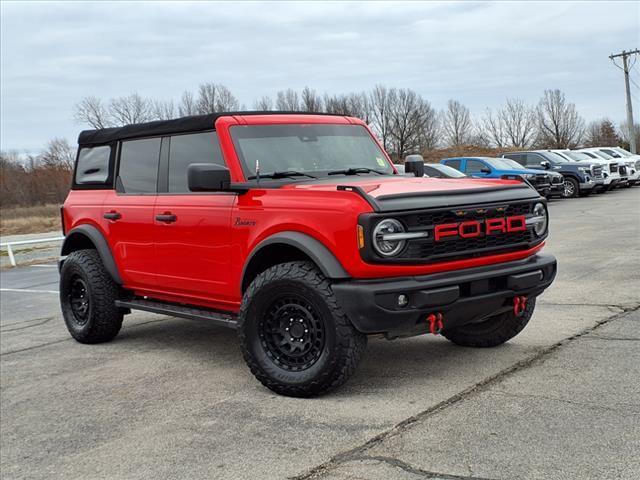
(193,230)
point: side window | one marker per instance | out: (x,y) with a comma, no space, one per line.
(474,166)
(534,160)
(518,157)
(188,149)
(454,163)
(138,170)
(93,165)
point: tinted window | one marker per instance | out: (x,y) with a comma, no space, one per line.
(534,160)
(188,149)
(138,169)
(518,157)
(454,164)
(93,165)
(474,166)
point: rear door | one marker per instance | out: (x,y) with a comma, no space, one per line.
(193,229)
(127,213)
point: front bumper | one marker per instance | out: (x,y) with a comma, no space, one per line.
(464,296)
(588,184)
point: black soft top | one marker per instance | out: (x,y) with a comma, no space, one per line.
(195,123)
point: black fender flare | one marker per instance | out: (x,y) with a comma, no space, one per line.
(100,243)
(314,249)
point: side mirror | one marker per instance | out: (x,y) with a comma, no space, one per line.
(544,164)
(414,164)
(208,177)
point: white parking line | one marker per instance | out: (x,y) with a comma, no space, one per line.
(44,266)
(26,291)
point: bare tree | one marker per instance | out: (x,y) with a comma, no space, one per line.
(91,111)
(187,104)
(213,97)
(456,124)
(264,104)
(382,100)
(493,128)
(624,132)
(431,128)
(287,100)
(59,153)
(559,124)
(337,104)
(411,117)
(602,133)
(163,110)
(519,122)
(130,109)
(311,102)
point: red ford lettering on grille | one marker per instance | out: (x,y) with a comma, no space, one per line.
(476,228)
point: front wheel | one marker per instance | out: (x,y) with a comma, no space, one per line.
(571,188)
(294,336)
(491,332)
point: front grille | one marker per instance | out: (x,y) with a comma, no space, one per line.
(613,167)
(622,169)
(542,179)
(637,165)
(424,250)
(596,171)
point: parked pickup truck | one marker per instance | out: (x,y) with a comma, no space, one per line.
(297,231)
(580,178)
(546,183)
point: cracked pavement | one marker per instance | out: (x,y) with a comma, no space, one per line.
(171,398)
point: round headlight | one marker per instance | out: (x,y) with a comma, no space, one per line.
(383,240)
(541,219)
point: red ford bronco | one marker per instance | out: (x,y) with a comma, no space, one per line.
(296,230)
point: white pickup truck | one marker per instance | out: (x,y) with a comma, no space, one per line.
(632,161)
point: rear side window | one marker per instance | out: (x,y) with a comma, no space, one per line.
(93,165)
(474,166)
(138,170)
(453,163)
(187,149)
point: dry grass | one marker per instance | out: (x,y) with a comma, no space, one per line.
(38,219)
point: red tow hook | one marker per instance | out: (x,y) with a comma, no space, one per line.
(519,304)
(435,323)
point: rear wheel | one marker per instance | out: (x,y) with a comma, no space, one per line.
(87,298)
(491,332)
(571,188)
(294,337)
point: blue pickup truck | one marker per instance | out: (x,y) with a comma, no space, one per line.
(546,183)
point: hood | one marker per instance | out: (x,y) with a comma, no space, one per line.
(402,193)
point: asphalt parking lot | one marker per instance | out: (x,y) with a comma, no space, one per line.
(172,398)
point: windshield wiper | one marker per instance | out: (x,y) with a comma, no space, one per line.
(355,171)
(282,174)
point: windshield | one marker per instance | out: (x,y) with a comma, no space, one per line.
(623,152)
(601,155)
(447,170)
(504,164)
(313,149)
(579,156)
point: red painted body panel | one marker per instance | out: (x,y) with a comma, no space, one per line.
(199,259)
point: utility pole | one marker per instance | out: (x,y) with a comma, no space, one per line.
(625,68)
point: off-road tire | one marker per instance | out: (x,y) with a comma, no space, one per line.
(492,332)
(343,345)
(83,269)
(574,190)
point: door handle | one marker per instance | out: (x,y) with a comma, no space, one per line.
(166,218)
(112,216)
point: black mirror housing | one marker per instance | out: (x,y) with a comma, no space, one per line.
(208,177)
(414,164)
(544,164)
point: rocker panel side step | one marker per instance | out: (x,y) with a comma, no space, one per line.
(182,311)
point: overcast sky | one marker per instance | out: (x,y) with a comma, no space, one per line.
(55,53)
